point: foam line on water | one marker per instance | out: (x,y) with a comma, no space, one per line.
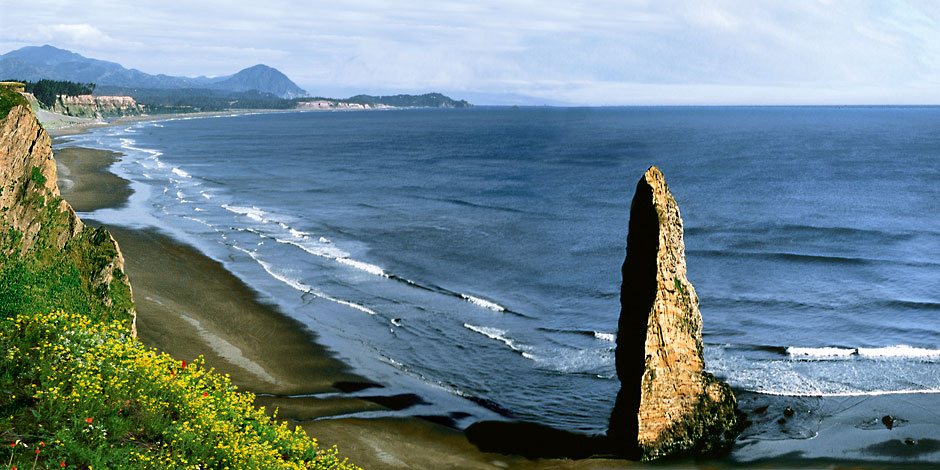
(324,248)
(900,351)
(820,352)
(609,337)
(876,393)
(300,286)
(252,213)
(483,303)
(498,335)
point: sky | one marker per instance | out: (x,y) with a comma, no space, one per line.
(569,52)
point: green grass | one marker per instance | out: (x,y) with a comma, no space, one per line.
(37,176)
(77,391)
(10,99)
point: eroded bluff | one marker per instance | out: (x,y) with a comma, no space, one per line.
(39,231)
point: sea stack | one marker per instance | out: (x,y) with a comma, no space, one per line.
(667,403)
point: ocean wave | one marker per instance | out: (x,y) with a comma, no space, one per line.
(324,248)
(870,393)
(206,195)
(483,303)
(600,335)
(496,334)
(252,212)
(347,303)
(820,352)
(298,285)
(609,337)
(362,266)
(315,248)
(900,351)
(831,371)
(198,220)
(180,173)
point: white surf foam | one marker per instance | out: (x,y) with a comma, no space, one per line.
(269,268)
(348,304)
(483,303)
(252,212)
(609,337)
(297,233)
(876,393)
(316,249)
(899,351)
(495,334)
(198,220)
(205,195)
(180,173)
(369,268)
(298,285)
(820,352)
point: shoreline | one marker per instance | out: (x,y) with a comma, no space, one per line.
(263,350)
(81,125)
(267,353)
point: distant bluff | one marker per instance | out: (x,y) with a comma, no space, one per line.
(667,404)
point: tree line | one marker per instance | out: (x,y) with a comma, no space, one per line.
(46,91)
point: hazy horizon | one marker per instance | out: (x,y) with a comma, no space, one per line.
(522,52)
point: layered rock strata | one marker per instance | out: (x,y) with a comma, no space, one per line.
(667,403)
(90,106)
(33,212)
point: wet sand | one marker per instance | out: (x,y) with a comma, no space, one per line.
(189,305)
(97,188)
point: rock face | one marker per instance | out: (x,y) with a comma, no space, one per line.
(667,403)
(97,106)
(32,208)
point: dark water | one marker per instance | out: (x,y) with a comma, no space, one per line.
(474,256)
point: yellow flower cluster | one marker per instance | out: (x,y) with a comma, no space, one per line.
(108,391)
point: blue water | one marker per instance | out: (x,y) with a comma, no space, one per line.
(473,256)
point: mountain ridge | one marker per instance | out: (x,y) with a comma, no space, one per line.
(37,62)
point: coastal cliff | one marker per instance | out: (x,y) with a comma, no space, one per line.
(39,231)
(90,106)
(667,403)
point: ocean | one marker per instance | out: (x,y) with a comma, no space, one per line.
(473,256)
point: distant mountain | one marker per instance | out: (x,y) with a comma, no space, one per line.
(34,63)
(428,100)
(261,78)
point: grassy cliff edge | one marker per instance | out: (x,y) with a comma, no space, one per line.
(77,389)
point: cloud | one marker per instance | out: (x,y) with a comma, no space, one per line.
(82,34)
(542,48)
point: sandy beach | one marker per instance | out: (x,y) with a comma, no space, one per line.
(190,305)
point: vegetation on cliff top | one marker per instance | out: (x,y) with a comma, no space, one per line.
(77,390)
(86,394)
(47,91)
(9,99)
